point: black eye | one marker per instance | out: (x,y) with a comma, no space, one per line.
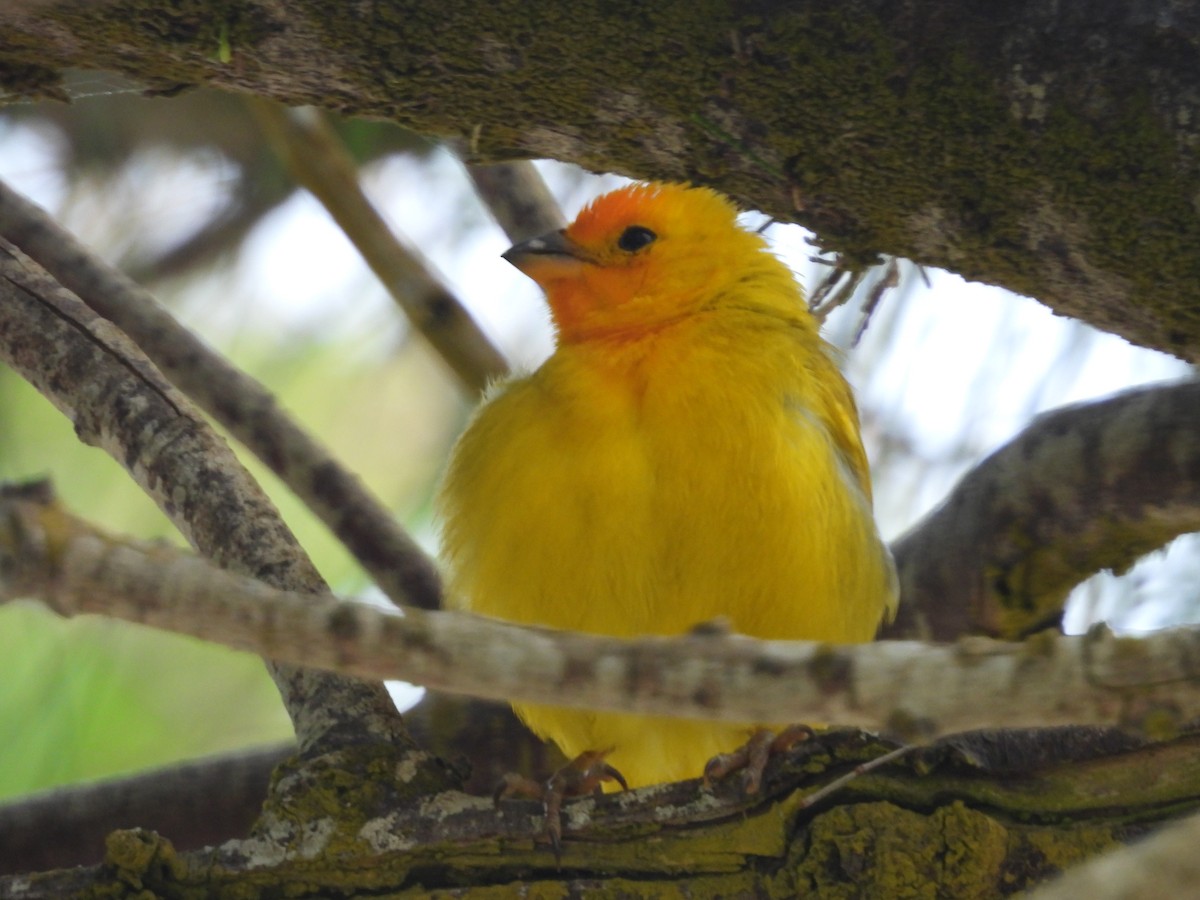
(635,237)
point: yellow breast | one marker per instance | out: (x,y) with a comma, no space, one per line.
(646,484)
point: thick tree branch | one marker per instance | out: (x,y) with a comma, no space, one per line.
(1085,488)
(215,799)
(234,399)
(1045,147)
(121,403)
(914,689)
(952,813)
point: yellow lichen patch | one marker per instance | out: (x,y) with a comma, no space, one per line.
(881,850)
(138,855)
(1033,854)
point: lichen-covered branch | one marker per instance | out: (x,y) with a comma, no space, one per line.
(118,401)
(211,800)
(234,399)
(952,817)
(1052,150)
(909,688)
(1085,488)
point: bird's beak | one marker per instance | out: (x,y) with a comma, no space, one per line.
(553,251)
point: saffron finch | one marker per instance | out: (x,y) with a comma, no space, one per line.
(689,451)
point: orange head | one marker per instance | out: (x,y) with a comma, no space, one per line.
(643,256)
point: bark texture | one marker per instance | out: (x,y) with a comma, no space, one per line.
(1049,148)
(951,821)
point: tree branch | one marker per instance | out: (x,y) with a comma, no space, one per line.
(952,813)
(1085,488)
(316,158)
(119,402)
(914,689)
(1056,146)
(235,400)
(215,799)
(517,197)
(194,804)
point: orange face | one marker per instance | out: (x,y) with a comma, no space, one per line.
(636,258)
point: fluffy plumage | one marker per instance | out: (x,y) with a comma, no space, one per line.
(689,451)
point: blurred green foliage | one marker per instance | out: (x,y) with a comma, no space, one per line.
(90,697)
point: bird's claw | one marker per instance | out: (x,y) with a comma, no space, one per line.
(752,757)
(581,777)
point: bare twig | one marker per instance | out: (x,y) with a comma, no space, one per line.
(236,400)
(518,198)
(315,156)
(832,787)
(908,687)
(1084,488)
(118,401)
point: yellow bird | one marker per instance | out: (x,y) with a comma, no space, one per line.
(690,451)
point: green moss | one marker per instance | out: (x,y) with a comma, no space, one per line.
(139,858)
(192,36)
(881,138)
(28,82)
(1032,593)
(879,850)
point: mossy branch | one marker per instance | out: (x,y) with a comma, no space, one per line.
(1085,488)
(951,816)
(1049,152)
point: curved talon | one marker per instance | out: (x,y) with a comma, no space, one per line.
(752,757)
(611,774)
(583,775)
(724,763)
(513,785)
(790,737)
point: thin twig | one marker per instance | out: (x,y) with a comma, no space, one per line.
(118,401)
(858,771)
(517,197)
(835,290)
(234,399)
(317,159)
(889,280)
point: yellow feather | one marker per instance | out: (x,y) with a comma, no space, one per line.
(689,451)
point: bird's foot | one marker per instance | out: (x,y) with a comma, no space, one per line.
(752,757)
(581,777)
